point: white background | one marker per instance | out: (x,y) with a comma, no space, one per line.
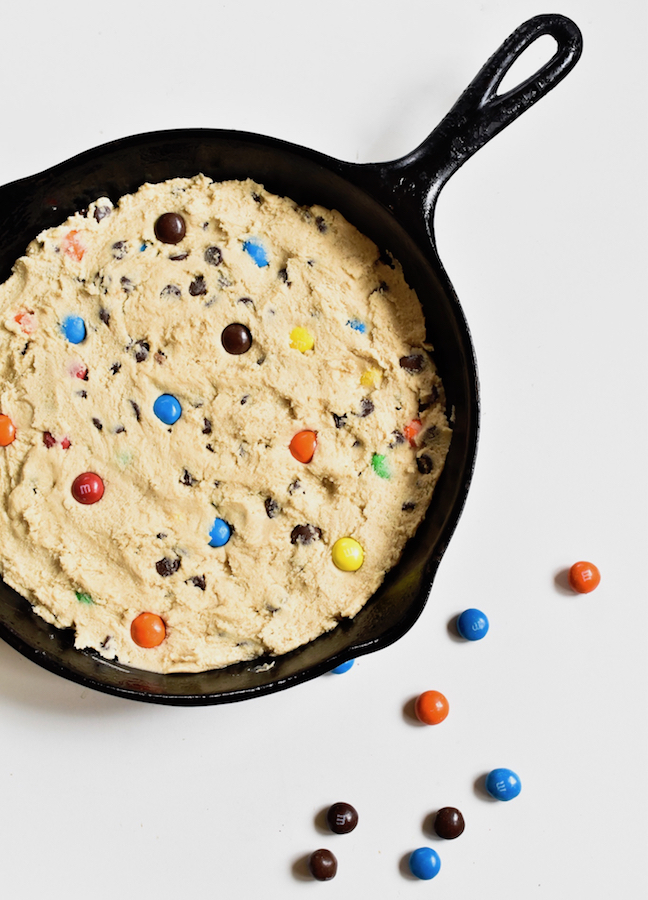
(544,236)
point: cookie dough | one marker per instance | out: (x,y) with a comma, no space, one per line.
(210,387)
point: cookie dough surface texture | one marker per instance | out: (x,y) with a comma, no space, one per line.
(354,372)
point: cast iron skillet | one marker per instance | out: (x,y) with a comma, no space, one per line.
(393,203)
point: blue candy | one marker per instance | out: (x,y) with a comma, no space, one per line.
(220,533)
(472,625)
(257,251)
(343,667)
(503,784)
(424,863)
(357,325)
(74,329)
(167,408)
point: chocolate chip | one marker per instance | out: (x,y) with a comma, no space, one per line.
(386,259)
(83,394)
(366,408)
(171,290)
(161,535)
(294,486)
(245,399)
(141,350)
(105,641)
(48,439)
(449,823)
(305,534)
(101,282)
(260,360)
(424,464)
(198,287)
(247,300)
(213,256)
(236,339)
(136,410)
(408,506)
(115,368)
(177,257)
(97,424)
(101,212)
(398,439)
(188,479)
(119,249)
(209,447)
(198,581)
(256,197)
(322,865)
(207,429)
(170,228)
(104,315)
(340,421)
(321,224)
(282,275)
(24,349)
(342,818)
(429,436)
(166,566)
(412,363)
(272,508)
(120,429)
(127,284)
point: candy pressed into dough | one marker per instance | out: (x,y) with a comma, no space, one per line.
(154,314)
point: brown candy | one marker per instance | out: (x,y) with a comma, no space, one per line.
(236,339)
(412,363)
(449,823)
(342,818)
(170,228)
(322,865)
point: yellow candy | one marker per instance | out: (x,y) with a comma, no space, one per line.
(371,378)
(347,554)
(301,340)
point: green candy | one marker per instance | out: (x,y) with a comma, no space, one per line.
(380,465)
(83,598)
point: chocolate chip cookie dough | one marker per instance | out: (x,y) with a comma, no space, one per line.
(219,424)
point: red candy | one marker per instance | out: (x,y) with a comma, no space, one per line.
(411,430)
(27,321)
(303,446)
(584,577)
(148,630)
(87,488)
(431,708)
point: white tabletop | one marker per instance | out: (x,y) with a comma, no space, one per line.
(543,235)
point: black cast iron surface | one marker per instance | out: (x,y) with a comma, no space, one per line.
(393,203)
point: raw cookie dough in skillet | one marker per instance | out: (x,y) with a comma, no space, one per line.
(246,381)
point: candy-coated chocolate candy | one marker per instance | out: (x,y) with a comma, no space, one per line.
(167,408)
(170,228)
(73,327)
(236,339)
(322,865)
(7,431)
(472,625)
(584,577)
(431,707)
(449,823)
(371,378)
(87,488)
(380,465)
(27,321)
(72,246)
(347,554)
(257,251)
(220,533)
(148,630)
(342,818)
(303,446)
(411,430)
(343,667)
(424,863)
(357,325)
(301,340)
(83,597)
(503,784)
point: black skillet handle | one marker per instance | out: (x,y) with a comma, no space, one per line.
(480,113)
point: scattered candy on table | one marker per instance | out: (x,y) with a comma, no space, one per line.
(342,818)
(322,865)
(167,408)
(87,488)
(584,577)
(449,823)
(255,249)
(220,533)
(472,625)
(303,446)
(301,340)
(148,630)
(343,667)
(170,228)
(7,431)
(424,863)
(431,707)
(347,554)
(73,328)
(503,784)
(236,339)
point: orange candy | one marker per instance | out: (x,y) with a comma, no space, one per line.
(410,431)
(148,630)
(27,321)
(72,245)
(303,446)
(7,431)
(431,708)
(584,577)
